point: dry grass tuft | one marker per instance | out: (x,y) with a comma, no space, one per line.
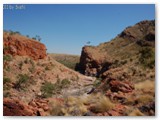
(78,106)
(148,85)
(104,104)
(56,108)
(72,106)
(145,85)
(136,112)
(144,99)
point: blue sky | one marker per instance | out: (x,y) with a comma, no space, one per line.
(67,28)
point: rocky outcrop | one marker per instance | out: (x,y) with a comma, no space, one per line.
(124,87)
(12,107)
(22,46)
(41,106)
(139,30)
(36,107)
(92,62)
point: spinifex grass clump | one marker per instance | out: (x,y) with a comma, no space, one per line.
(22,81)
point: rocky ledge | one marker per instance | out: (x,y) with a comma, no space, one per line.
(23,46)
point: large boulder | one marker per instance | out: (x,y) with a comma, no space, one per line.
(92,61)
(23,46)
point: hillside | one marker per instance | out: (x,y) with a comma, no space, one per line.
(28,77)
(125,66)
(125,48)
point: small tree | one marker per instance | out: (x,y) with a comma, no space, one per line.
(17,32)
(38,37)
(27,36)
(34,38)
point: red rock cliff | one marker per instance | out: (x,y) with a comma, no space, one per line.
(23,46)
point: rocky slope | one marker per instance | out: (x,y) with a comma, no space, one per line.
(23,46)
(125,66)
(29,74)
(95,60)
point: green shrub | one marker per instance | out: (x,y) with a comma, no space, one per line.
(147,58)
(7,58)
(26,61)
(6,48)
(47,68)
(17,32)
(6,94)
(13,33)
(6,80)
(31,61)
(7,68)
(118,63)
(22,81)
(47,89)
(32,68)
(6,86)
(131,59)
(65,82)
(20,65)
(34,38)
(62,84)
(38,37)
(97,82)
(123,62)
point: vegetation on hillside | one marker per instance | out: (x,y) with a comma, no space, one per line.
(10,32)
(48,89)
(69,61)
(147,57)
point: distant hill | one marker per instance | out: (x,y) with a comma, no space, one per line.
(69,61)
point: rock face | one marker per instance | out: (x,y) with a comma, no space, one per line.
(13,107)
(22,46)
(92,61)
